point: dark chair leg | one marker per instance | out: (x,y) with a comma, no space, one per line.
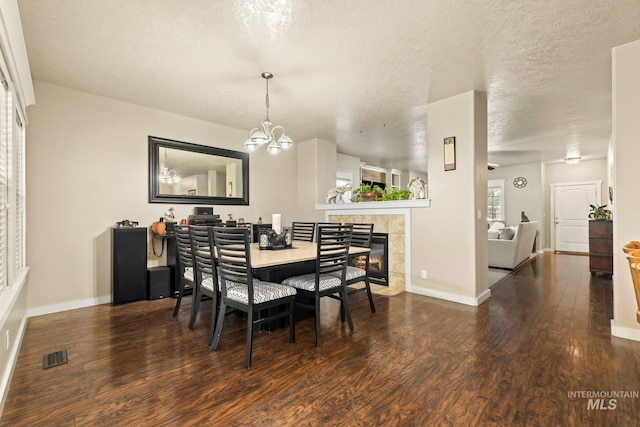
(216,336)
(214,316)
(366,283)
(179,300)
(345,303)
(195,306)
(317,314)
(249,338)
(292,325)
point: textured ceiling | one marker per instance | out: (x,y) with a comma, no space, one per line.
(358,72)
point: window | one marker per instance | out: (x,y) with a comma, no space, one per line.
(495,200)
(19,186)
(12,185)
(5,137)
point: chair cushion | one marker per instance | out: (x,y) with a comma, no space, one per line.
(355,272)
(188,273)
(308,281)
(207,282)
(262,292)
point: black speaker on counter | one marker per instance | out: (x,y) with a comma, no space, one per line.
(159,282)
(203,210)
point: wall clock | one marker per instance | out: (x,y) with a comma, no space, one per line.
(520,182)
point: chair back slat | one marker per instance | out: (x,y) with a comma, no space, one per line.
(202,251)
(333,248)
(183,243)
(303,231)
(362,235)
(234,257)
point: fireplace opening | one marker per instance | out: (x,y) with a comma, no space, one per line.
(378,259)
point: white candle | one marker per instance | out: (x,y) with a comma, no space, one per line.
(276,224)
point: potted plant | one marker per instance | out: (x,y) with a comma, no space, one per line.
(367,193)
(391,193)
(599,213)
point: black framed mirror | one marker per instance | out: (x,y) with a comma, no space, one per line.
(181,172)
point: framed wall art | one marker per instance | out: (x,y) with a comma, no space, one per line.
(450,153)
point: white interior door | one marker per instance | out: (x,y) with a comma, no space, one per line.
(571,216)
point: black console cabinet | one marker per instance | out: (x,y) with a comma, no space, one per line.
(128,264)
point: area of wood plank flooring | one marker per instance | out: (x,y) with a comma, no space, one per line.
(417,361)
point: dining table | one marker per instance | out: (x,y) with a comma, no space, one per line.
(299,252)
(275,265)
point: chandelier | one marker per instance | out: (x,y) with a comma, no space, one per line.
(265,133)
(166,175)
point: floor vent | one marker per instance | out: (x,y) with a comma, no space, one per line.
(54,359)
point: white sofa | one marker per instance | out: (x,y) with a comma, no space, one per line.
(510,253)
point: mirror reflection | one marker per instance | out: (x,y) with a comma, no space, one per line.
(181,172)
(197,174)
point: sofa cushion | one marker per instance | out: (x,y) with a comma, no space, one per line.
(508,233)
(493,234)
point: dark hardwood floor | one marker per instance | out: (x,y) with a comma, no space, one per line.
(417,361)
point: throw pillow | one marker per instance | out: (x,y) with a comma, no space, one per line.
(493,234)
(507,233)
(496,226)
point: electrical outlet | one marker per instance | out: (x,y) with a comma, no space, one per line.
(6,343)
(423,274)
(479,214)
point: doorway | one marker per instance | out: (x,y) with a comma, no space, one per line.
(570,207)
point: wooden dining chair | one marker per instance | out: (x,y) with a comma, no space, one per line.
(239,289)
(206,279)
(303,231)
(360,238)
(184,263)
(330,272)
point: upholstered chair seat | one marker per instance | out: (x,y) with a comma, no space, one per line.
(307,282)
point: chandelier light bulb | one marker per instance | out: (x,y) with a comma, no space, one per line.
(250,145)
(274,147)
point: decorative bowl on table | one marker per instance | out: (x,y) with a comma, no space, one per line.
(269,239)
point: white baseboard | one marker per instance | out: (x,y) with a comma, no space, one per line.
(451,297)
(72,305)
(624,332)
(11,363)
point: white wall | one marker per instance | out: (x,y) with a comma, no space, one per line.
(351,164)
(316,175)
(626,221)
(449,240)
(528,199)
(556,173)
(87,167)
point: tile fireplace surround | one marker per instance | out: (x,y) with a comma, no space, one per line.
(394,220)
(394,225)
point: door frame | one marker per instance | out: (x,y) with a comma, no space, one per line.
(552,204)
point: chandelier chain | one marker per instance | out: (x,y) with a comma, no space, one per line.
(266,100)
